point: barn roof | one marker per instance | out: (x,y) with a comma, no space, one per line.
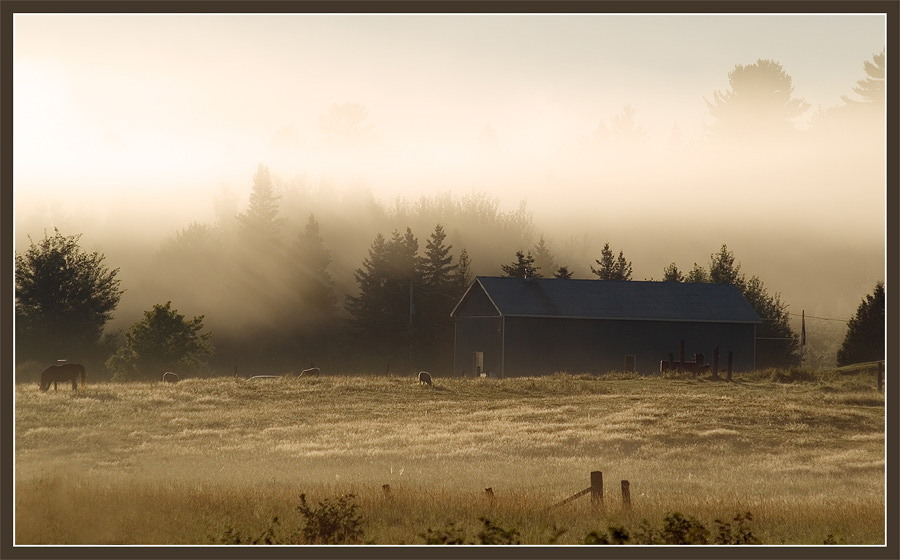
(609,299)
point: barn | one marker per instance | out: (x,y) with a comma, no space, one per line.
(537,326)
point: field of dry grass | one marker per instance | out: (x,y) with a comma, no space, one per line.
(153,463)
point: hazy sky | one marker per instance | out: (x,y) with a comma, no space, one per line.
(155,110)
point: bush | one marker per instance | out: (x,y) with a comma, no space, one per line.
(333,522)
(489,534)
(739,533)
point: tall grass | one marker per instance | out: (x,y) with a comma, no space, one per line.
(153,463)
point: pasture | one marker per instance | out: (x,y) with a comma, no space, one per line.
(187,463)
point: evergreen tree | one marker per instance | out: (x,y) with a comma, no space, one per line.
(437,272)
(384,312)
(611,267)
(463,276)
(64,298)
(871,88)
(314,284)
(864,341)
(261,223)
(522,267)
(543,258)
(562,273)
(759,101)
(162,341)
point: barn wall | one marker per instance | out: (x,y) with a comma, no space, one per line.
(540,346)
(477,334)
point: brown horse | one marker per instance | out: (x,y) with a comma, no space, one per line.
(65,372)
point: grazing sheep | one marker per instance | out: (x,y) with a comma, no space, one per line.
(425,377)
(310,371)
(170,377)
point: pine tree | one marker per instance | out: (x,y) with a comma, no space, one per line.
(543,258)
(562,273)
(871,88)
(611,267)
(463,276)
(313,282)
(437,272)
(522,267)
(261,222)
(864,341)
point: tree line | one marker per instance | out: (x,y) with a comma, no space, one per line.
(282,285)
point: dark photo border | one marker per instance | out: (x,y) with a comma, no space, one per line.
(7,426)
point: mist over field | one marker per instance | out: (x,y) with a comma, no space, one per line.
(502,129)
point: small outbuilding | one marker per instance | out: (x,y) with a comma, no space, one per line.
(537,326)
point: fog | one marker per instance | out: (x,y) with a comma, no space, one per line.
(586,130)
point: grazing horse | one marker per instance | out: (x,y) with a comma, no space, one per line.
(425,377)
(65,372)
(170,377)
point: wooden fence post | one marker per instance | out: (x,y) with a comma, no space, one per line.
(880,376)
(729,364)
(715,363)
(596,488)
(626,495)
(681,355)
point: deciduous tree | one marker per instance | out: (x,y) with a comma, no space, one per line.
(164,340)
(64,298)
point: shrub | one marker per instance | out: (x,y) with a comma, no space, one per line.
(494,534)
(333,522)
(490,534)
(678,529)
(616,535)
(739,533)
(450,535)
(271,535)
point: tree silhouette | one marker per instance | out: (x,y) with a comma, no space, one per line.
(777,344)
(384,312)
(758,103)
(864,341)
(612,268)
(463,276)
(162,341)
(261,222)
(563,273)
(315,285)
(437,272)
(672,274)
(522,267)
(871,88)
(543,258)
(622,129)
(64,298)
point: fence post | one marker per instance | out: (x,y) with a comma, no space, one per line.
(880,376)
(626,495)
(715,363)
(596,488)
(729,365)
(681,355)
